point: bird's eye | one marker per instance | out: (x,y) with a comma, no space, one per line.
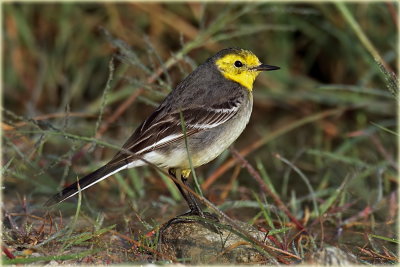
(238,64)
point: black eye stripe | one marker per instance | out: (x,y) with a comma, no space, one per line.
(238,63)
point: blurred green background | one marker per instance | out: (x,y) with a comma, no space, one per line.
(330,110)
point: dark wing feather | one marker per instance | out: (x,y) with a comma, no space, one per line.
(167,129)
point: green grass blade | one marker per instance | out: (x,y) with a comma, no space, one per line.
(385,129)
(76,240)
(124,185)
(265,212)
(51,258)
(393,240)
(196,182)
(176,195)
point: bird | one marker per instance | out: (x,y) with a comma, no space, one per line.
(200,118)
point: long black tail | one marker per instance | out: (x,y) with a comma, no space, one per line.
(85,182)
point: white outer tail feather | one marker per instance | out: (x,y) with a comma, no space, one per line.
(127,166)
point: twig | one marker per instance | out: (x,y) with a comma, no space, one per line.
(229,185)
(8,127)
(378,144)
(306,181)
(7,252)
(266,189)
(392,10)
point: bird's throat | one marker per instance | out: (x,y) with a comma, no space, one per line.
(245,79)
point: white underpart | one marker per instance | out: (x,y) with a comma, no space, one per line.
(176,158)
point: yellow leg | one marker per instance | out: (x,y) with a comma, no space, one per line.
(186,173)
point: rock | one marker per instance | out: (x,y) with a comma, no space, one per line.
(330,255)
(196,243)
(52,263)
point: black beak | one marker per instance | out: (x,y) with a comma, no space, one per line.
(265,67)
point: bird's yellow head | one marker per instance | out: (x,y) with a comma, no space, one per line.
(241,66)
